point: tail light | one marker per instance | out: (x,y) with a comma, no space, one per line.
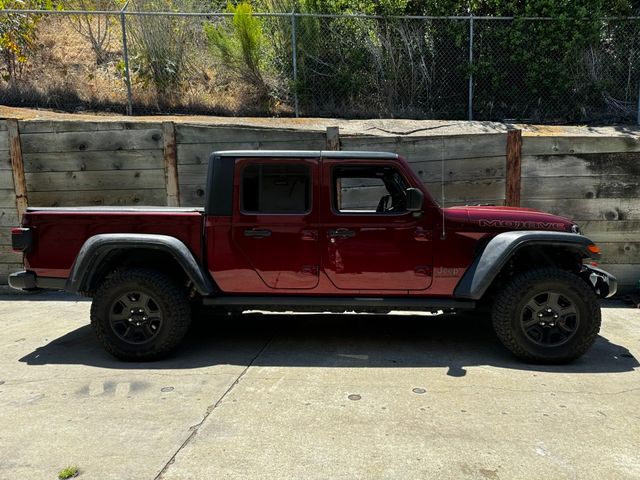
(21,240)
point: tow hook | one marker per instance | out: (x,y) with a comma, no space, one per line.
(603,283)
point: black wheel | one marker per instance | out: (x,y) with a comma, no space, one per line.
(140,314)
(546,315)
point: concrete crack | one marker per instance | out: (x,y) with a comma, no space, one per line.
(409,132)
(195,428)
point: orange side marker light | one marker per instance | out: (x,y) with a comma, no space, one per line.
(593,248)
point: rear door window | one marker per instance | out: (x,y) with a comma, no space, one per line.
(276,188)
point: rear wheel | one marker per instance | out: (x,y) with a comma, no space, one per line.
(547,315)
(140,314)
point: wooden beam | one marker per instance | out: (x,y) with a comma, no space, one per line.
(513,168)
(17,166)
(333,138)
(171,164)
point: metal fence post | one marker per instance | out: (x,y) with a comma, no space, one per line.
(471,67)
(638,121)
(125,51)
(294,55)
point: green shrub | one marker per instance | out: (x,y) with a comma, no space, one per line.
(238,44)
(18,33)
(159,46)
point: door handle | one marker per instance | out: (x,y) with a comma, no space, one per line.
(257,233)
(341,233)
(422,235)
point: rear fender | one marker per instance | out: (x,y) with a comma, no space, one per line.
(96,249)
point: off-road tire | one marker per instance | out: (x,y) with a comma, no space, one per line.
(511,301)
(168,298)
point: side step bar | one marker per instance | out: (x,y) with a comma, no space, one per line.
(346,303)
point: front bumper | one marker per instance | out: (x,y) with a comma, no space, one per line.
(29,281)
(603,283)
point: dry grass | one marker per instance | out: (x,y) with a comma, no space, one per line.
(62,74)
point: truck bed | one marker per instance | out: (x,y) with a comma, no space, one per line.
(61,232)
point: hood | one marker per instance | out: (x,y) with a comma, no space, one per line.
(490,218)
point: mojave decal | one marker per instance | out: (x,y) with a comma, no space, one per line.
(519,224)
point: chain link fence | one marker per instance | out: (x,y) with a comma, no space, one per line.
(292,64)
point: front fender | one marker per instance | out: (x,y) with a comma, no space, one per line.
(96,249)
(490,261)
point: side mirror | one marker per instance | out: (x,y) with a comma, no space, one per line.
(415,200)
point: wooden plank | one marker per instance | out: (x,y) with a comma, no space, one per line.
(431,148)
(11,267)
(513,168)
(93,161)
(622,252)
(3,125)
(10,257)
(618,163)
(5,236)
(192,195)
(9,218)
(5,161)
(17,167)
(199,153)
(171,164)
(333,138)
(607,231)
(194,134)
(153,197)
(6,180)
(4,141)
(149,139)
(617,186)
(79,181)
(7,199)
(6,269)
(570,145)
(474,201)
(467,191)
(461,169)
(192,174)
(60,126)
(628,275)
(588,209)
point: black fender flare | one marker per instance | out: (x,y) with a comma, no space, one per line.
(96,249)
(497,252)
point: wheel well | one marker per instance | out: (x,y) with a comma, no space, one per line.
(123,258)
(536,256)
(566,258)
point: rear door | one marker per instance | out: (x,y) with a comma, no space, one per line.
(275,223)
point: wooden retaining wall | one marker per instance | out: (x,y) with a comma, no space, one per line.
(594,179)
(9,262)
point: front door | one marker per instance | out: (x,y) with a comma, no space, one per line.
(276,223)
(370,241)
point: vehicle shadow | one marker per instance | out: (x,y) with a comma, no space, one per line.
(334,341)
(10,295)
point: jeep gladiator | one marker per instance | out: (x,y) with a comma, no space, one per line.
(319,231)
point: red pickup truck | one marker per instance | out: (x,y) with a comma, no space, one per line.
(321,231)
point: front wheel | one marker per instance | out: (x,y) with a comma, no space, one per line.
(140,314)
(546,315)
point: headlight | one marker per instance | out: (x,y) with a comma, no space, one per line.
(575,229)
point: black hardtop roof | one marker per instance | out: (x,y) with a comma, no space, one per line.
(346,154)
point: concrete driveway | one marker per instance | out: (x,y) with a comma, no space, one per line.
(312,397)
